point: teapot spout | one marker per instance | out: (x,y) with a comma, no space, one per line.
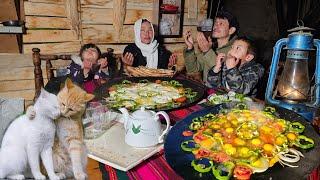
(125,115)
(124,112)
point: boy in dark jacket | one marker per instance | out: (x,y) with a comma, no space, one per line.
(237,71)
(88,65)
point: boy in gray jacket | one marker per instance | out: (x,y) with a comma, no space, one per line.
(237,70)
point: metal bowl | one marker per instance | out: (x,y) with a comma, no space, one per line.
(13,23)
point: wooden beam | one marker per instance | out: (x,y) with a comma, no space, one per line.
(15,60)
(106,34)
(6,86)
(25,94)
(138,4)
(104,16)
(73,14)
(48,1)
(119,14)
(192,12)
(131,4)
(17,73)
(44,9)
(36,22)
(54,48)
(49,36)
(22,14)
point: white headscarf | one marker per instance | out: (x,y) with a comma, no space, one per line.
(150,51)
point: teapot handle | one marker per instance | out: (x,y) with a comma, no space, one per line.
(166,117)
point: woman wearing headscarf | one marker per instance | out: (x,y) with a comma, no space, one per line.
(146,51)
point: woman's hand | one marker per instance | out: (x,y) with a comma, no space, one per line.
(172,60)
(127,59)
(188,39)
(103,62)
(204,44)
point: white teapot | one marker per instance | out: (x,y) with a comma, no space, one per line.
(143,128)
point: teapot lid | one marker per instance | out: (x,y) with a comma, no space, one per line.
(143,113)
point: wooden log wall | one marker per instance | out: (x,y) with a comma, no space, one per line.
(62,26)
(51,27)
(17,78)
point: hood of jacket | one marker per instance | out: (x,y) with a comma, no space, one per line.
(77,60)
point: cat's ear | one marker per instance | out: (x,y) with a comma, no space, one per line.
(88,97)
(43,93)
(69,83)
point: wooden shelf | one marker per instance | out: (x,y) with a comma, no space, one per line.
(11,30)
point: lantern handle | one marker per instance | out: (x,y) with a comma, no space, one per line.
(300,23)
(300,27)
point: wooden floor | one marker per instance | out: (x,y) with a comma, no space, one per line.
(93,170)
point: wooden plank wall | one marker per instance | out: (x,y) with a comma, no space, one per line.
(51,28)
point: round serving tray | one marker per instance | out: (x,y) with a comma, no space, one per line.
(102,91)
(180,161)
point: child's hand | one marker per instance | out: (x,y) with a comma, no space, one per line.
(172,60)
(204,44)
(232,62)
(103,62)
(188,39)
(219,60)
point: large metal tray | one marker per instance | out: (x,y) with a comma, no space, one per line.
(181,161)
(102,91)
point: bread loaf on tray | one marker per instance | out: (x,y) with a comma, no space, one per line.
(143,71)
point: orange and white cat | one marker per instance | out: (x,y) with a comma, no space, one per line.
(69,150)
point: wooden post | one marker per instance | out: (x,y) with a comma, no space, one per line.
(193,9)
(73,14)
(119,14)
(49,69)
(38,79)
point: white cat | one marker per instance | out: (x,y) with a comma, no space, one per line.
(25,140)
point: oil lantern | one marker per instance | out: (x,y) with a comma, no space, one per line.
(295,89)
